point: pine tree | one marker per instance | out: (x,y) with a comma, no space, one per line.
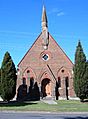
(0,81)
(8,78)
(80,72)
(86,80)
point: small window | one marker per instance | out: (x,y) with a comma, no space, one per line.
(28,71)
(45,57)
(62,70)
(28,74)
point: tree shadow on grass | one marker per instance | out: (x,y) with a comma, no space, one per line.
(76,117)
(16,103)
(85,101)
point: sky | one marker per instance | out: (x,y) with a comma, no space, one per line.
(20,25)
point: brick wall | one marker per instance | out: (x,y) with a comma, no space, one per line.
(57,61)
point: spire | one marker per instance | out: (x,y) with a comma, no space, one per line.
(44,29)
(44,16)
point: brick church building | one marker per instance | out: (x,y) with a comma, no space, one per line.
(45,70)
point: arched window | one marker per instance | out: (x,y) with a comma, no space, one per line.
(59,82)
(67,82)
(28,74)
(24,81)
(31,81)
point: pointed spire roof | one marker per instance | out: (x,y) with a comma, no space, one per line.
(44,16)
(45,40)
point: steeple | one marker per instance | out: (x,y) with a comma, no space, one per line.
(44,29)
(44,17)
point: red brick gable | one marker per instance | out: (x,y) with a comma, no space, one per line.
(28,50)
(36,50)
(62,50)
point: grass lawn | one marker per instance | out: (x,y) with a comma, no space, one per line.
(62,106)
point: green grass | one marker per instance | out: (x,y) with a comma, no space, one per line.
(62,106)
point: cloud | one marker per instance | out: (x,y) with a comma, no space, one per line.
(60,14)
(56,12)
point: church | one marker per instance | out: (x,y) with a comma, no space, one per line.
(45,70)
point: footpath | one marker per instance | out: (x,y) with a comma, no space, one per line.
(48,100)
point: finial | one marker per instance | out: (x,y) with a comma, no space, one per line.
(43,2)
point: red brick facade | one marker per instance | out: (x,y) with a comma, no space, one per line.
(50,68)
(57,67)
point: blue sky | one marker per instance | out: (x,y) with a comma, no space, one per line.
(20,25)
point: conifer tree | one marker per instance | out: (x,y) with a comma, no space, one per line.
(86,81)
(0,81)
(80,72)
(8,78)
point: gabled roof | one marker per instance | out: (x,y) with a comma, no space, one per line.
(55,43)
(62,51)
(29,49)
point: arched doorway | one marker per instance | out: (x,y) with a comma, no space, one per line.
(46,87)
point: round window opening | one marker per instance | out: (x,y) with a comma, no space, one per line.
(45,57)
(62,70)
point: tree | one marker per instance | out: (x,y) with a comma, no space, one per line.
(86,80)
(0,81)
(80,72)
(8,78)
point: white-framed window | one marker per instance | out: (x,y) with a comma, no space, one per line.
(45,57)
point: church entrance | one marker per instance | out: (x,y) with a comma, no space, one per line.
(46,87)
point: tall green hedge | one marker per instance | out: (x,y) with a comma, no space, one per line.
(80,73)
(0,81)
(8,78)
